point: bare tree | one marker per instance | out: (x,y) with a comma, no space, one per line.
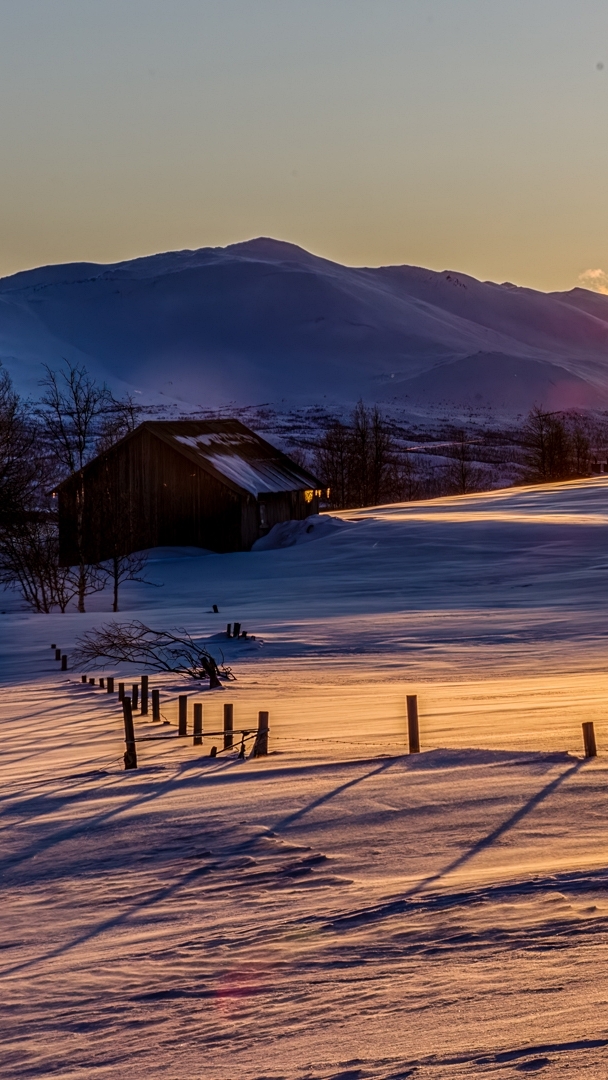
(29,564)
(463,474)
(580,445)
(161,650)
(408,481)
(122,568)
(333,464)
(120,416)
(112,519)
(72,406)
(549,446)
(21,466)
(357,461)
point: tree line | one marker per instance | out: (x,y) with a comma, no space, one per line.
(363,463)
(41,444)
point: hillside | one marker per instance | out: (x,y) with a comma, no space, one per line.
(265,321)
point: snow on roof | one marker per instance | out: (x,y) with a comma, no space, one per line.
(237,454)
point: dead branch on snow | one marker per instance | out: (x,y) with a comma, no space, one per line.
(161,650)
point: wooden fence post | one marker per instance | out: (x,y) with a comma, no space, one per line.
(110,684)
(83,678)
(413,731)
(53,646)
(260,746)
(91,682)
(229,629)
(134,695)
(156,704)
(121,691)
(130,755)
(64,663)
(589,739)
(102,683)
(228,725)
(237,630)
(182,723)
(58,654)
(198,724)
(144,695)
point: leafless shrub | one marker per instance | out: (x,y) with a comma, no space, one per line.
(70,412)
(357,461)
(462,474)
(161,650)
(79,419)
(120,417)
(125,568)
(29,565)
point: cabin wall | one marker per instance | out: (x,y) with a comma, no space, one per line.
(143,493)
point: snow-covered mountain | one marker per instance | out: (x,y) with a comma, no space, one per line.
(265,321)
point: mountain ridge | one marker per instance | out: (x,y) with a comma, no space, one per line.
(266,320)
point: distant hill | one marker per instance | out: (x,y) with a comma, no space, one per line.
(265,321)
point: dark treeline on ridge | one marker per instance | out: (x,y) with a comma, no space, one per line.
(366,461)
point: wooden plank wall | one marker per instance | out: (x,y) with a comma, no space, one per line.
(143,493)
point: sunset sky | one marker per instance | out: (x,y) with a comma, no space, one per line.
(464,134)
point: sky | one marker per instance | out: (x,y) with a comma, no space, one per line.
(454,134)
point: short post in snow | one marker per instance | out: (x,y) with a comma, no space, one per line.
(121,691)
(237,630)
(228,725)
(182,715)
(58,654)
(229,629)
(198,724)
(260,746)
(144,695)
(130,755)
(64,663)
(413,731)
(134,695)
(53,646)
(110,684)
(102,684)
(589,739)
(91,682)
(156,704)
(83,678)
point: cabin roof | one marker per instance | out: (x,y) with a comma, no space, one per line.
(233,454)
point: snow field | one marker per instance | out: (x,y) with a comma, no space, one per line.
(338,910)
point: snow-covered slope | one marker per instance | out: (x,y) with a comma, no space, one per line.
(338,910)
(265,321)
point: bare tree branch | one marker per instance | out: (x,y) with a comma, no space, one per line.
(161,650)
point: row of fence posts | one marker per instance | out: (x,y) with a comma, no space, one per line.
(260,747)
(141,701)
(61,656)
(413,730)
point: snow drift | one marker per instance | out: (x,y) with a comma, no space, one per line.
(288,533)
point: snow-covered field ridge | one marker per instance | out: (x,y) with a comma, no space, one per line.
(265,321)
(338,910)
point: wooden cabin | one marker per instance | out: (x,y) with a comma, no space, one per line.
(188,483)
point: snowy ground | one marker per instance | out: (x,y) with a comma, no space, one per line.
(338,910)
